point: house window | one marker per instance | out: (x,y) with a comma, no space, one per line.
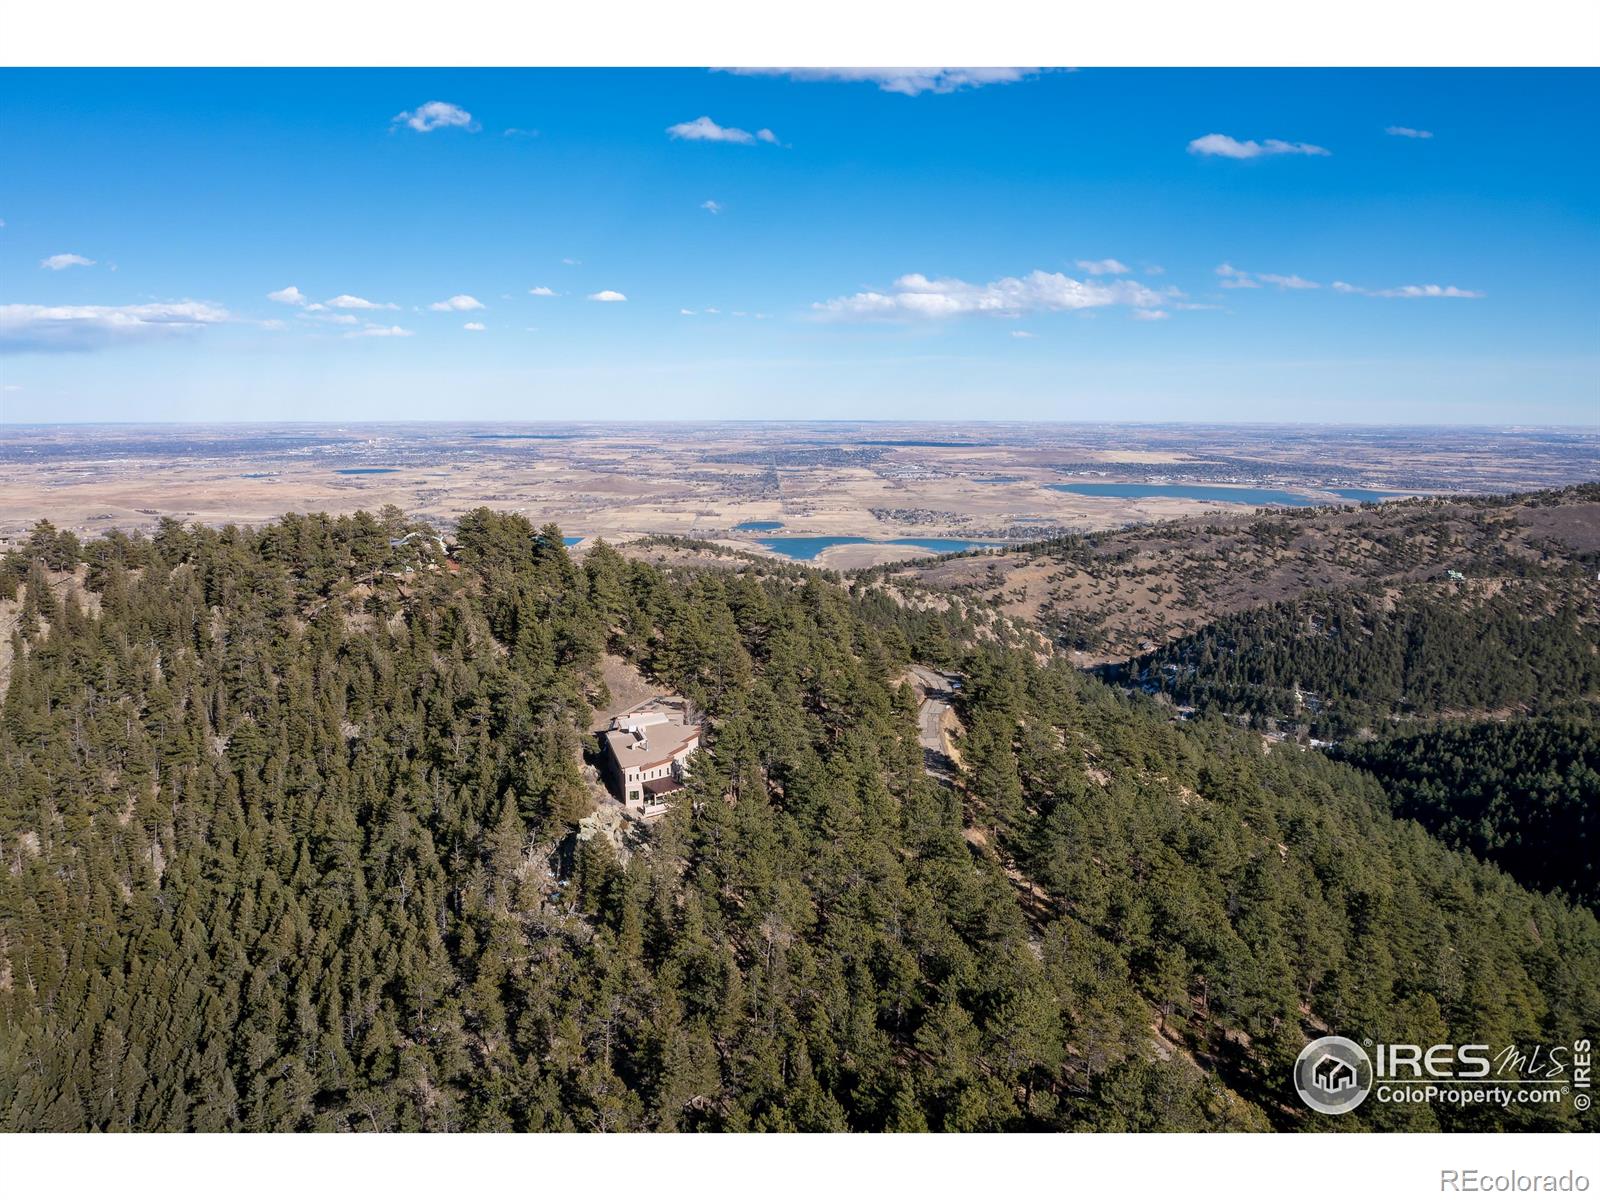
(633,794)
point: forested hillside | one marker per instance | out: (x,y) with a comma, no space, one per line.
(1524,793)
(285,843)
(1343,662)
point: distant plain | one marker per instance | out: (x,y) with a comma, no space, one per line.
(889,491)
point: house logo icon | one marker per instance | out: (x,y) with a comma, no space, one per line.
(1333,1075)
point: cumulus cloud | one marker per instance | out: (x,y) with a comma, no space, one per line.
(1410,291)
(712,207)
(436,114)
(704,129)
(475,326)
(541,291)
(1223,146)
(1040,291)
(1103,266)
(903,81)
(60,262)
(90,326)
(457,304)
(356,302)
(1407,131)
(380,331)
(607,297)
(292,295)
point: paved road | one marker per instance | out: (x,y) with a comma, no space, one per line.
(937,688)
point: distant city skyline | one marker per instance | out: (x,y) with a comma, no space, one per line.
(1361,246)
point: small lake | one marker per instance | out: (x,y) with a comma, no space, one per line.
(804,549)
(1259,497)
(367,471)
(1368,495)
(524,437)
(915,442)
(571,541)
(762,526)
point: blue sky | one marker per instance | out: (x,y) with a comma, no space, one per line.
(1098,244)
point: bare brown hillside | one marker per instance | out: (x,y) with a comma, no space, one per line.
(1107,596)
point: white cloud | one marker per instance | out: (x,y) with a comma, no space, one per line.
(1150,314)
(1221,145)
(541,291)
(88,326)
(294,296)
(60,262)
(514,132)
(1232,277)
(380,331)
(1288,282)
(904,81)
(573,262)
(1039,291)
(1023,334)
(475,326)
(1406,131)
(608,297)
(318,313)
(704,129)
(1410,291)
(436,114)
(1421,291)
(356,302)
(457,304)
(712,207)
(686,312)
(1103,266)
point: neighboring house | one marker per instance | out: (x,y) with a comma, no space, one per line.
(646,750)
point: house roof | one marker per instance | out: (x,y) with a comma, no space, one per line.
(662,742)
